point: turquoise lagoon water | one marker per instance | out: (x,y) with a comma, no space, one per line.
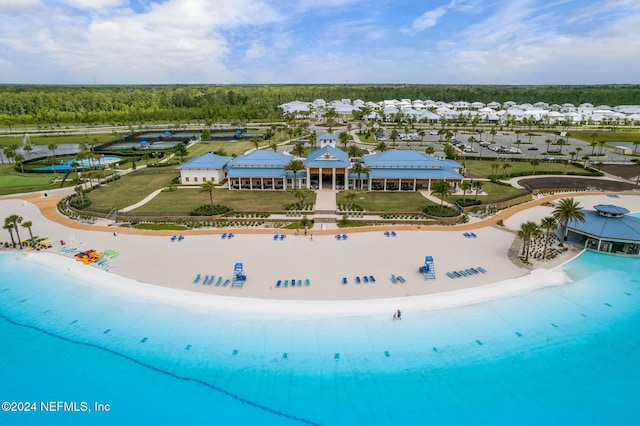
(559,355)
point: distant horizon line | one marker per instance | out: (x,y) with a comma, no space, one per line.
(326,84)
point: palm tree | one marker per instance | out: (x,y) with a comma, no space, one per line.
(505,167)
(534,162)
(567,210)
(637,165)
(9,227)
(548,224)
(344,139)
(80,192)
(28,224)
(465,186)
(635,147)
(382,147)
(52,147)
(349,197)
(565,163)
(359,169)
(441,189)
(294,166)
(528,231)
(494,169)
(301,195)
(209,187)
(145,158)
(273,146)
(19,158)
(548,142)
(601,143)
(255,142)
(14,220)
(477,185)
(394,136)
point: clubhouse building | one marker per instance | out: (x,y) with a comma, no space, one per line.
(325,168)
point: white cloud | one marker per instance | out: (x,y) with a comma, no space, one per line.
(429,19)
(94,4)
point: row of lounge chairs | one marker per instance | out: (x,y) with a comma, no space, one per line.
(279,237)
(293,283)
(209,279)
(397,279)
(177,238)
(68,250)
(470,234)
(228,236)
(365,279)
(390,234)
(341,237)
(466,272)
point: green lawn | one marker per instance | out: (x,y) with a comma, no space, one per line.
(621,135)
(494,192)
(231,148)
(58,140)
(12,182)
(388,202)
(482,168)
(183,201)
(131,188)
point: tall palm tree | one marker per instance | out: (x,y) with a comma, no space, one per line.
(505,167)
(535,162)
(52,147)
(465,186)
(255,142)
(548,224)
(80,192)
(9,227)
(382,147)
(209,187)
(359,169)
(528,231)
(494,169)
(15,220)
(441,189)
(567,210)
(28,224)
(294,166)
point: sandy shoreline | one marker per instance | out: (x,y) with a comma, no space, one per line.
(172,266)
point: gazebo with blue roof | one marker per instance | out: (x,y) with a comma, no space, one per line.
(606,229)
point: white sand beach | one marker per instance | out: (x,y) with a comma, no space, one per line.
(155,266)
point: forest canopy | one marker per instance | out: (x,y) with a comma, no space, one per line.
(55,105)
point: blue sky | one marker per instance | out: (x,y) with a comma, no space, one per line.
(320,41)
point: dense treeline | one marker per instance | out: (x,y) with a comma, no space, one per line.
(49,105)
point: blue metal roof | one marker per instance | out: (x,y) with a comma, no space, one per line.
(242,172)
(328,156)
(206,161)
(261,158)
(611,209)
(625,228)
(402,158)
(445,173)
(328,136)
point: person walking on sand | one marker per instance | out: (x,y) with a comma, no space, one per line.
(399,314)
(394,316)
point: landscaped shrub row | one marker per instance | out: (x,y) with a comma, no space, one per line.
(206,210)
(440,211)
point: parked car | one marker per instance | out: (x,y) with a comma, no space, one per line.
(532,148)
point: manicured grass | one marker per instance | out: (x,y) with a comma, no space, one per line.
(482,168)
(131,188)
(183,201)
(494,192)
(9,179)
(388,202)
(231,148)
(58,140)
(621,135)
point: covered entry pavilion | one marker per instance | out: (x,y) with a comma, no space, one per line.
(606,229)
(327,168)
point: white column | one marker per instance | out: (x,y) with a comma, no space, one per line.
(333,178)
(320,177)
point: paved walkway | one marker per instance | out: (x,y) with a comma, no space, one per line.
(326,200)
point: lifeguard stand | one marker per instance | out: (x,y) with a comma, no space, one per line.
(239,277)
(428,270)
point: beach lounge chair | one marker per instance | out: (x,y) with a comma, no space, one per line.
(386,233)
(226,282)
(372,278)
(401,279)
(344,280)
(181,237)
(344,236)
(393,233)
(394,279)
(275,237)
(458,275)
(299,283)
(282,236)
(286,283)
(195,281)
(231,235)
(279,283)
(472,234)
(307,282)
(358,280)
(217,282)
(365,278)
(174,238)
(466,234)
(463,273)
(481,269)
(338,237)
(224,235)
(451,275)
(204,281)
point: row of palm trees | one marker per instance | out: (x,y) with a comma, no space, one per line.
(566,211)
(11,224)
